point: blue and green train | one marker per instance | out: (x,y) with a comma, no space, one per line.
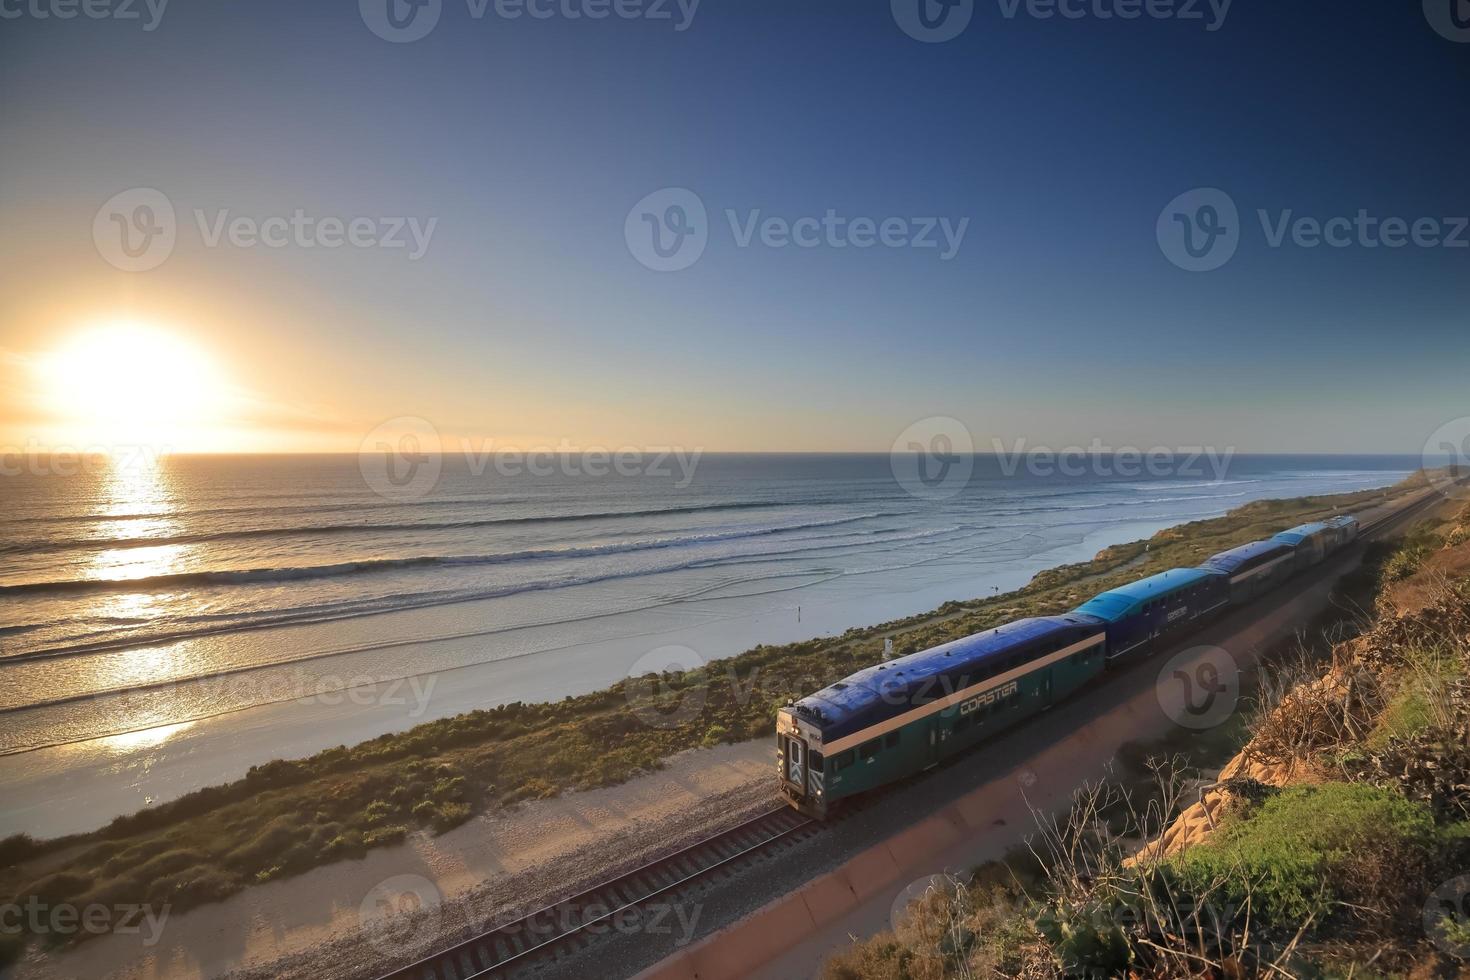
(894,719)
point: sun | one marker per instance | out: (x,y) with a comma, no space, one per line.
(128,383)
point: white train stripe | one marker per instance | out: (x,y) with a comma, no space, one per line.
(933,707)
(1256,571)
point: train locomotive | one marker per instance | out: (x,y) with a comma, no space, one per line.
(897,718)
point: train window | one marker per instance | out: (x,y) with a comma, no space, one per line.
(814,761)
(890,740)
(869,749)
(842,761)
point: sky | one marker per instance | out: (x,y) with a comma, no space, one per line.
(1035,174)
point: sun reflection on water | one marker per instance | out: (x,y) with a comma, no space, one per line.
(138,485)
(146,738)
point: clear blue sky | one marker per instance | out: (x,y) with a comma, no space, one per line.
(1058,320)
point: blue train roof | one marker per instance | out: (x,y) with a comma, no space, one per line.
(1117,603)
(1229,561)
(1300,533)
(890,682)
(1342,521)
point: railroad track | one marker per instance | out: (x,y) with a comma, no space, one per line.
(521,945)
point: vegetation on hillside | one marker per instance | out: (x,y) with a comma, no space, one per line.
(1336,845)
(288,816)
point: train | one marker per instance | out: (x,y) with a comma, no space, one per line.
(892,720)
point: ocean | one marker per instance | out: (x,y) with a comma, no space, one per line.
(151,593)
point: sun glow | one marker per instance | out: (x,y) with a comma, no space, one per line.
(130,384)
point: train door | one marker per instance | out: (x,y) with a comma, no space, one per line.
(931,747)
(796,764)
(1043,688)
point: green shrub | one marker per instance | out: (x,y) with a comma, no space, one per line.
(392,834)
(261,851)
(450,815)
(192,886)
(60,887)
(169,862)
(122,890)
(17,848)
(1310,847)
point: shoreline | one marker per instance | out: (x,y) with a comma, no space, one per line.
(154,764)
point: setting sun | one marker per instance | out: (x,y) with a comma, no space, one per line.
(126,382)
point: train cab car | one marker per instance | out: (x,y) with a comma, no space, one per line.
(1253,568)
(1344,531)
(898,718)
(1309,542)
(1139,615)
